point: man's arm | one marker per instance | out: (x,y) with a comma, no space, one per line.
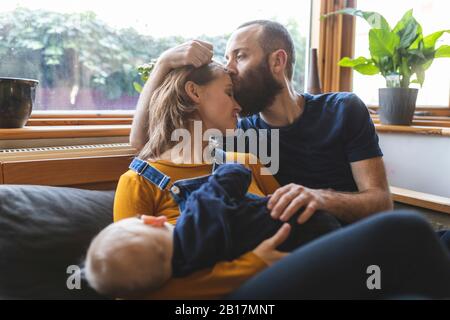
(373,196)
(195,53)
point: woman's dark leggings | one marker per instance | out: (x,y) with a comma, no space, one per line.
(412,262)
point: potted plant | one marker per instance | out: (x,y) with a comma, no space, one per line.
(401,55)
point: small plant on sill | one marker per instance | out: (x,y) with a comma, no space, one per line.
(144,72)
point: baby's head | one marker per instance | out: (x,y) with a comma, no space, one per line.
(130,257)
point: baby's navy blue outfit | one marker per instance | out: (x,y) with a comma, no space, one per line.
(219,220)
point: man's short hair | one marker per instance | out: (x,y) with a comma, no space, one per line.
(275,36)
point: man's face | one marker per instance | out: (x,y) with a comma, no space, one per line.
(255,87)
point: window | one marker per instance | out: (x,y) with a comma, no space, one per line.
(433,16)
(86,53)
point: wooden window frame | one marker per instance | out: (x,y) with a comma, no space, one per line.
(337,39)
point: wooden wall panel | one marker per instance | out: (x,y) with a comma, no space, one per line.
(67,172)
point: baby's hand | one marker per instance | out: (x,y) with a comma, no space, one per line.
(154,221)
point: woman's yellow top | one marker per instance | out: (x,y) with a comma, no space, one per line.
(136,195)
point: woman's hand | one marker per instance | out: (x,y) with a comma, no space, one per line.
(195,53)
(267,252)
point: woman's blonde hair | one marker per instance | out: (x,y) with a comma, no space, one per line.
(171,108)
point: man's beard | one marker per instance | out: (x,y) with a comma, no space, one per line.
(256,90)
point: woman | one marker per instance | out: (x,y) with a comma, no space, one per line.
(205,94)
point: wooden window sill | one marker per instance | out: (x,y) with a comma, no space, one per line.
(425,125)
(75,118)
(421,200)
(441,111)
(123,130)
(71,131)
(423,130)
(82,114)
(421,122)
(77,121)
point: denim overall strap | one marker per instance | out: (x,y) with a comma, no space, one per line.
(152,174)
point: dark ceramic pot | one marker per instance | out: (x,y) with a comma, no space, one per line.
(16,101)
(397,105)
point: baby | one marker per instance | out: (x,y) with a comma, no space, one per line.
(131,257)
(219,222)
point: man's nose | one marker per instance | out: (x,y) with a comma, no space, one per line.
(237,106)
(231,67)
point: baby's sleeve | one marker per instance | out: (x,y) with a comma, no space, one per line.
(233,178)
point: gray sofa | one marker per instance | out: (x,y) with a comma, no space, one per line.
(43,230)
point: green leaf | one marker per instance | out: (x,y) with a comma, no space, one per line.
(409,35)
(382,42)
(408,29)
(418,43)
(137,87)
(362,65)
(420,74)
(404,21)
(367,69)
(419,54)
(54,51)
(374,19)
(443,52)
(52,61)
(347,62)
(419,71)
(430,40)
(33,44)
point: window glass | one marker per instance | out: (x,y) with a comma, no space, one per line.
(85,53)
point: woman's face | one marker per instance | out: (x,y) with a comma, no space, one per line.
(216,105)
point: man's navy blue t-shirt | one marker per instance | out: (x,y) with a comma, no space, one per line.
(316,150)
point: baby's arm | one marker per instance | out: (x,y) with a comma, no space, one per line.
(233,178)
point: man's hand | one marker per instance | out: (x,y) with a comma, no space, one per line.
(195,53)
(373,196)
(267,252)
(287,200)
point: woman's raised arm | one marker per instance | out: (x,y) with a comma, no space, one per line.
(195,52)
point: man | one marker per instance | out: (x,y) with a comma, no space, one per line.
(326,141)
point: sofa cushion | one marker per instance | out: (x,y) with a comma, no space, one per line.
(44,230)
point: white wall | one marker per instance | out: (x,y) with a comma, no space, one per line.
(417,162)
